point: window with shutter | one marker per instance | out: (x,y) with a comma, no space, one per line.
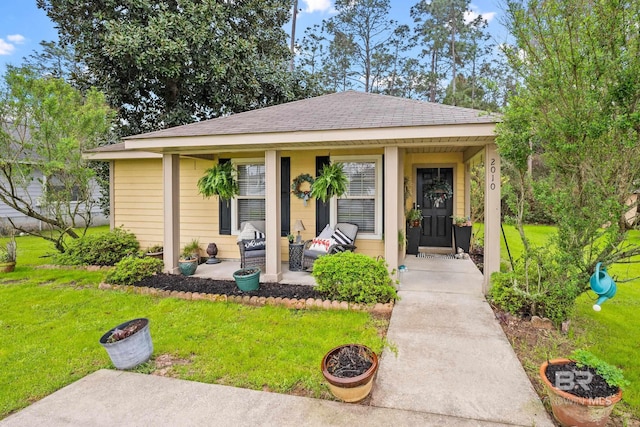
(362,204)
(249,205)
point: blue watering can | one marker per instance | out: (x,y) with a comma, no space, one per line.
(603,285)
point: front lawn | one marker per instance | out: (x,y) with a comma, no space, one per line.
(51,320)
(612,334)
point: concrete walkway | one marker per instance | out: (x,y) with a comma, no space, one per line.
(454,368)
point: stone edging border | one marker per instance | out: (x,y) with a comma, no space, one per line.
(298,304)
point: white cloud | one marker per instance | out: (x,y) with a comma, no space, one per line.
(16,38)
(317,6)
(473,13)
(6,48)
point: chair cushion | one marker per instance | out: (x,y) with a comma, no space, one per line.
(255,254)
(249,232)
(313,254)
(254,245)
(326,232)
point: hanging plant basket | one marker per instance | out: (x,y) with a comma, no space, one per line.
(220,181)
(331,182)
(296,187)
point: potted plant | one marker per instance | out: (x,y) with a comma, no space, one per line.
(188,263)
(583,390)
(349,369)
(290,238)
(247,279)
(331,182)
(414,216)
(155,251)
(462,232)
(193,248)
(8,256)
(128,344)
(220,181)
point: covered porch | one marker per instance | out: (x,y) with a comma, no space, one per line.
(398,141)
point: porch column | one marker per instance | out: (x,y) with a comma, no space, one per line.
(272,216)
(467,189)
(393,205)
(171,187)
(491,214)
(112,194)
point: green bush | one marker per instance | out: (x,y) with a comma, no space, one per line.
(131,270)
(100,249)
(352,277)
(543,290)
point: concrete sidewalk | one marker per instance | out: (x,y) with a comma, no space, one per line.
(454,368)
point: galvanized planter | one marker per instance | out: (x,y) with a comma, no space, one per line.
(131,351)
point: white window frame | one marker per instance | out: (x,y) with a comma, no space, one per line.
(377,159)
(235,226)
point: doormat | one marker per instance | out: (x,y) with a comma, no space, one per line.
(435,256)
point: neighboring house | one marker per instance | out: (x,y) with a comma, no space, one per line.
(35,194)
(380,139)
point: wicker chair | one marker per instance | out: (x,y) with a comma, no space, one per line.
(255,258)
(309,256)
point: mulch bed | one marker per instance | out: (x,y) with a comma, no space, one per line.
(175,282)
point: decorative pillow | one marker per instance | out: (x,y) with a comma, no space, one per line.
(326,233)
(341,238)
(321,245)
(260,235)
(249,232)
(254,244)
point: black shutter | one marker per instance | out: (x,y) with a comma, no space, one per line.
(225,210)
(285,196)
(382,183)
(323,213)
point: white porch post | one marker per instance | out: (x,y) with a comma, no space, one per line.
(272,216)
(171,187)
(393,205)
(491,214)
(467,188)
(112,194)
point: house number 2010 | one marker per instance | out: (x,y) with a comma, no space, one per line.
(492,169)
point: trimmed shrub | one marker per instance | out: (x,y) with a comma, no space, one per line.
(352,277)
(100,249)
(131,270)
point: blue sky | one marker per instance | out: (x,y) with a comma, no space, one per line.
(23,25)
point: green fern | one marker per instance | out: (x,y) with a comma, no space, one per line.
(331,182)
(220,181)
(611,374)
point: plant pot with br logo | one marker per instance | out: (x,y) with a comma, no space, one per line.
(579,396)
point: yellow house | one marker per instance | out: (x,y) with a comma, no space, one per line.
(380,139)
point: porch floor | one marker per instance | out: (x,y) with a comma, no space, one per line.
(224,271)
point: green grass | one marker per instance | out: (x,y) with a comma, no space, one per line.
(51,321)
(611,334)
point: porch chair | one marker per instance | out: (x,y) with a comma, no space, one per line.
(344,236)
(251,243)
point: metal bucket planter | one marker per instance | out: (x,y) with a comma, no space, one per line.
(247,279)
(572,410)
(131,351)
(353,389)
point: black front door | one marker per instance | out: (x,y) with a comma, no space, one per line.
(435,194)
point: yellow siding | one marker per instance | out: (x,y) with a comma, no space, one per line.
(138,204)
(138,199)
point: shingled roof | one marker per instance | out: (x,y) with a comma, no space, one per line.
(336,111)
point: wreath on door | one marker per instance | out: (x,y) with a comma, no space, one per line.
(438,192)
(297,184)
